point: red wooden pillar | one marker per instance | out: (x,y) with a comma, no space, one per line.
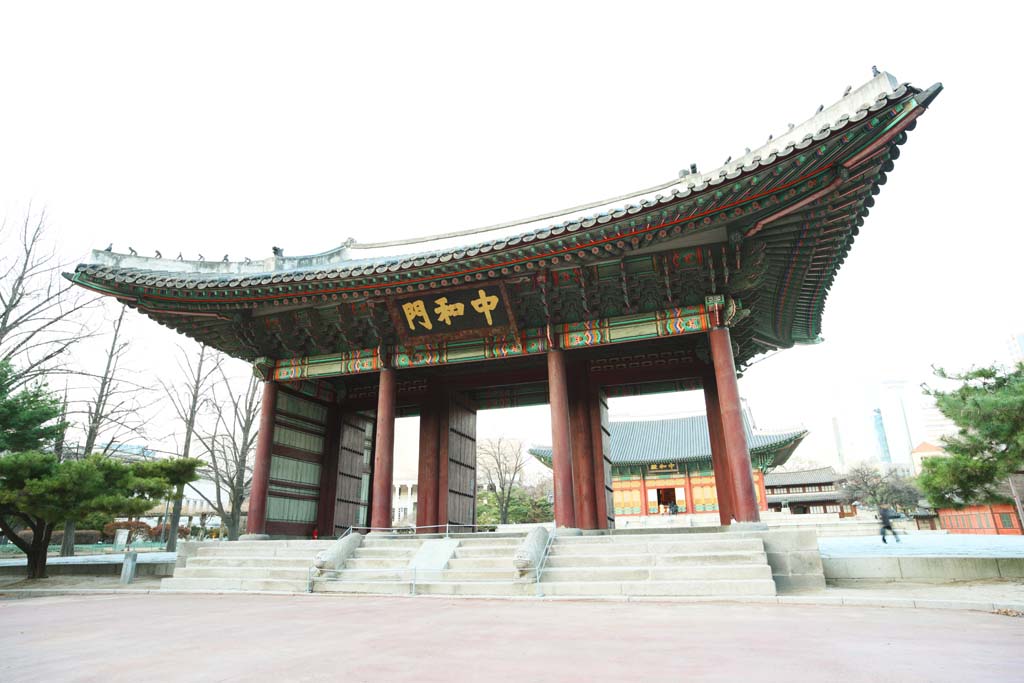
(257,519)
(429,464)
(737,457)
(561,448)
(582,447)
(689,491)
(643,494)
(384,453)
(723,480)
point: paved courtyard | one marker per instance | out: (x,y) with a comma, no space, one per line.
(959,545)
(286,638)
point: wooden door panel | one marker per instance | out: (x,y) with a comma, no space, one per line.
(461,461)
(355,469)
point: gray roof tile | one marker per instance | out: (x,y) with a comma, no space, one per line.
(682,439)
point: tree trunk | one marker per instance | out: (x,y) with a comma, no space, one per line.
(37,556)
(172,533)
(67,545)
(233,523)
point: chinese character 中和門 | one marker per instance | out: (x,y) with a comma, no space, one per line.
(446,311)
(416,310)
(485,304)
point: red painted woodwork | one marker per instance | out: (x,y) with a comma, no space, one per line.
(429,462)
(723,483)
(737,457)
(762,504)
(256,522)
(689,491)
(561,449)
(981,519)
(581,443)
(384,452)
(329,474)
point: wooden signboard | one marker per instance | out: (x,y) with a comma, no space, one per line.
(466,313)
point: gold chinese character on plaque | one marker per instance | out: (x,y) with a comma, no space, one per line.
(416,311)
(485,304)
(446,311)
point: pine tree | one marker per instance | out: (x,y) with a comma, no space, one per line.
(988,408)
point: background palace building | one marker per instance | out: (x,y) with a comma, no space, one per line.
(670,288)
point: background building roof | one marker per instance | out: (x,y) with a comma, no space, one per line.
(682,439)
(821,475)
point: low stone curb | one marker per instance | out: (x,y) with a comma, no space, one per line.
(805,600)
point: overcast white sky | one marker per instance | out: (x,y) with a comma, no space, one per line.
(233,127)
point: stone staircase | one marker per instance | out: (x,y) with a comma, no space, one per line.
(481,565)
(247,566)
(703,563)
(707,564)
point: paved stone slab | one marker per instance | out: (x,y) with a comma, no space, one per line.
(620,641)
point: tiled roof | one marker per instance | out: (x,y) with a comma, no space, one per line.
(678,440)
(343,262)
(822,475)
(816,497)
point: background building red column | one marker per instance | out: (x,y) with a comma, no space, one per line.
(561,447)
(384,453)
(744,503)
(582,447)
(723,480)
(429,463)
(256,523)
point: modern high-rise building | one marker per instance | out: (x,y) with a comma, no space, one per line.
(883,442)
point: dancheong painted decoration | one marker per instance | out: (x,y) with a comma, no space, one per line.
(671,287)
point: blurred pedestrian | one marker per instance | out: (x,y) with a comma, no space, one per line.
(885,514)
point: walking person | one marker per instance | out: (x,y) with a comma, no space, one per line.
(885,514)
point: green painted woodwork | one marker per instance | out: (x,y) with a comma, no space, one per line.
(295,471)
(290,509)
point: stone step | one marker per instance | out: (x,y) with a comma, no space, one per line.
(481,588)
(480,563)
(256,545)
(385,552)
(240,573)
(267,562)
(309,553)
(511,543)
(648,537)
(376,562)
(706,588)
(647,559)
(485,551)
(391,542)
(236,584)
(680,573)
(658,548)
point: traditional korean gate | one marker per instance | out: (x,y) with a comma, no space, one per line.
(461,461)
(355,467)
